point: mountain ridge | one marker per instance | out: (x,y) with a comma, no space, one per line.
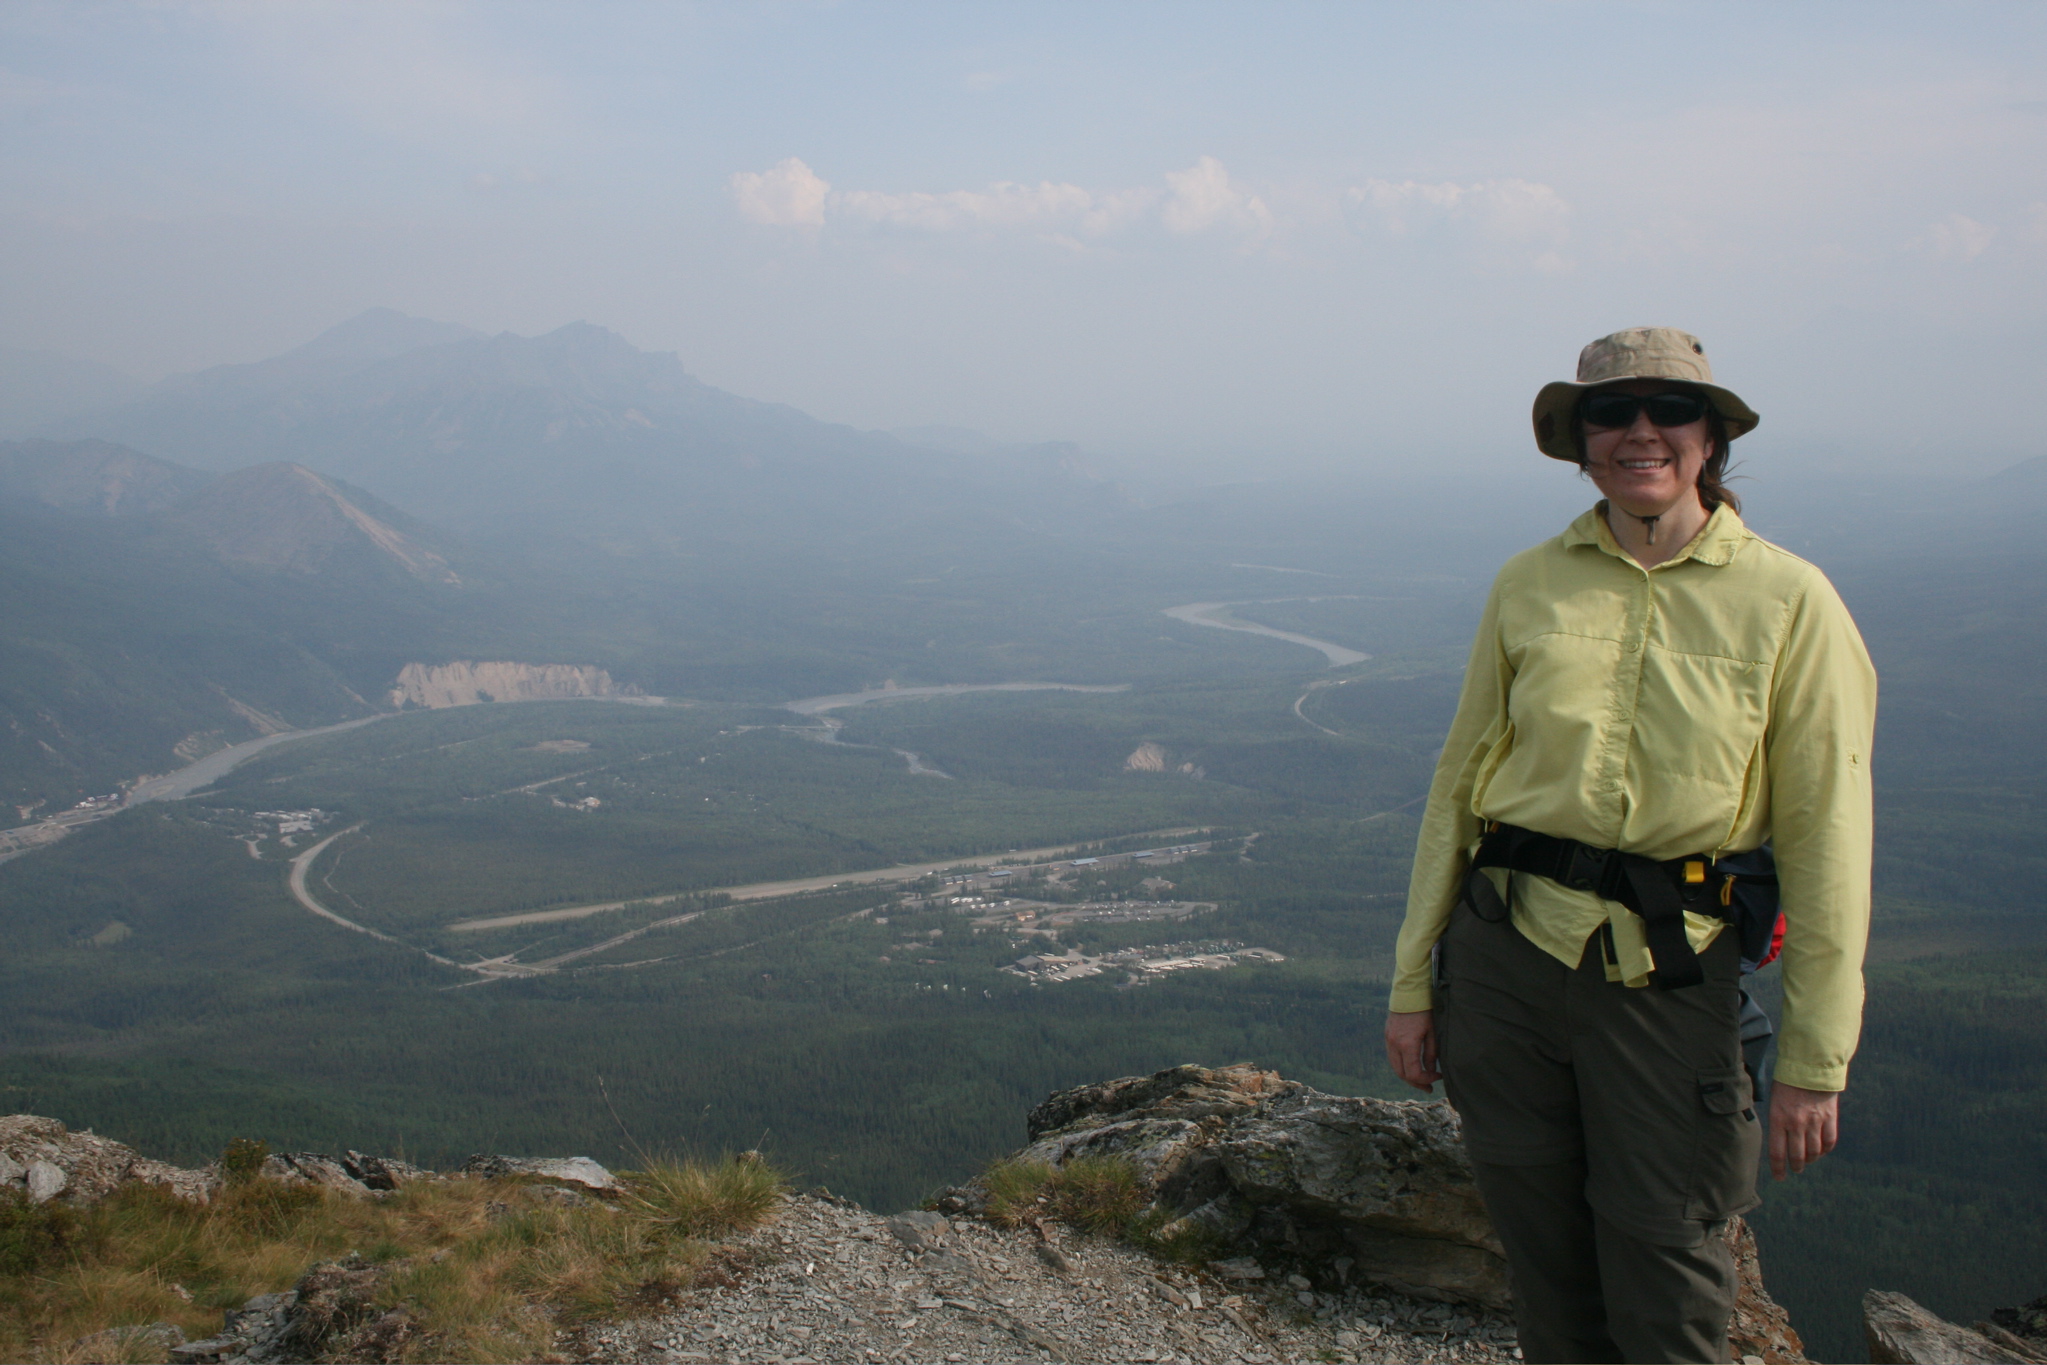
(575,429)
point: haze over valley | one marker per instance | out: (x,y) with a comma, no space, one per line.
(798,578)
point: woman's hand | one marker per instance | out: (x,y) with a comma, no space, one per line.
(1804,1124)
(1411,1050)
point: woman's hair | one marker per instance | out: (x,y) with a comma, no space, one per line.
(1713,489)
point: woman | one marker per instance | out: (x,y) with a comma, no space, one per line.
(1650,693)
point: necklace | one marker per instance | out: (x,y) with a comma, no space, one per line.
(1648,523)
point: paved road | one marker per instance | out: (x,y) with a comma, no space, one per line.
(301,868)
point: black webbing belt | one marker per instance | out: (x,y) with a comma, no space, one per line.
(1646,886)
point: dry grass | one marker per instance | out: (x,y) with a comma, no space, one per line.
(1097,1194)
(1102,1195)
(487,1270)
(1016,1191)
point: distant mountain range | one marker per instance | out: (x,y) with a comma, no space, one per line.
(185,563)
(576,432)
(276,516)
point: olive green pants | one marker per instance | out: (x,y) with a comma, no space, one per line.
(1613,1133)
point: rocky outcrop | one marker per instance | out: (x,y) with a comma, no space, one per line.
(350,1173)
(466,683)
(45,1160)
(1900,1332)
(1340,1188)
(330,1314)
(2028,1322)
(573,1170)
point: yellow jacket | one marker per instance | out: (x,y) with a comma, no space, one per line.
(1717,701)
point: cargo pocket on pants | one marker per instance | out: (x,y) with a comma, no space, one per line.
(1728,1146)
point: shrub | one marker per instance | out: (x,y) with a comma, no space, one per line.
(242,1160)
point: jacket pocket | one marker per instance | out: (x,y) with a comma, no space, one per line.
(1726,1147)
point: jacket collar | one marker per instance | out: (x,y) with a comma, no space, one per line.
(1715,544)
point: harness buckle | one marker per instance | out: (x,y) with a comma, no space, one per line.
(1586,868)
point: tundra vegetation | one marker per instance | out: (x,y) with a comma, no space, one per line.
(479,1270)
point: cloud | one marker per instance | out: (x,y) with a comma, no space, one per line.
(1204,197)
(1958,238)
(1200,199)
(790,195)
(1512,211)
(1002,205)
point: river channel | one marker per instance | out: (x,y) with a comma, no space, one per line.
(210,769)
(194,777)
(1216,614)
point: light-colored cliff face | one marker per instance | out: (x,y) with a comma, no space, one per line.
(465,683)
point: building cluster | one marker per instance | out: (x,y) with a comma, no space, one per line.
(1141,966)
(296,821)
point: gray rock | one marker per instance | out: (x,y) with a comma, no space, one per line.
(1352,1189)
(1900,1332)
(311,1168)
(380,1172)
(83,1167)
(46,1180)
(574,1170)
(125,1343)
(1396,1166)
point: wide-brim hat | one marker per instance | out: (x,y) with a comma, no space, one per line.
(1638,353)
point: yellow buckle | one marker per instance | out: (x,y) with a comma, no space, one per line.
(1695,873)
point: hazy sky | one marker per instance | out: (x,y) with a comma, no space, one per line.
(1338,231)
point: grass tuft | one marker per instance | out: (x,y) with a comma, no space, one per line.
(1098,1194)
(1016,1191)
(707,1201)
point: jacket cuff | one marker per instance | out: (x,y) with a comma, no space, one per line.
(1810,1077)
(1415,999)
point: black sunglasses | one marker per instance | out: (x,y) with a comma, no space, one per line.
(1619,410)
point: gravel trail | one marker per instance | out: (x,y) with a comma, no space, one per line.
(830,1283)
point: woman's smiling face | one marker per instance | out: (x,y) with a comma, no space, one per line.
(1643,468)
